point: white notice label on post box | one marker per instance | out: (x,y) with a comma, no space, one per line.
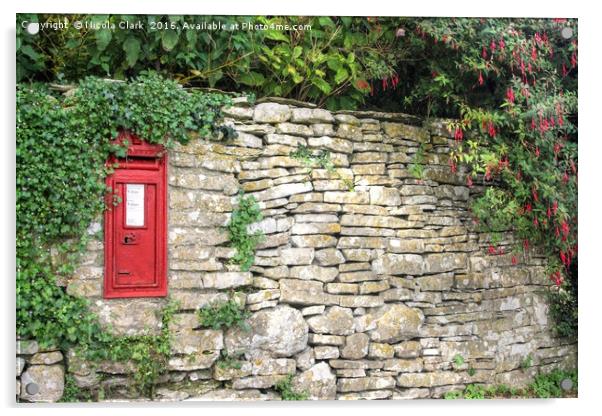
(134,207)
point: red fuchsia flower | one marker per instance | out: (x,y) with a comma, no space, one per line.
(549,212)
(434,74)
(522,67)
(528,207)
(514,260)
(458,134)
(526,245)
(560,120)
(510,95)
(565,178)
(534,193)
(574,60)
(487,173)
(573,166)
(533,126)
(453,166)
(469,181)
(533,53)
(537,151)
(481,81)
(557,232)
(385,84)
(492,46)
(557,147)
(556,277)
(395,80)
(554,207)
(502,44)
(491,129)
(535,221)
(563,258)
(501,251)
(484,53)
(564,227)
(371,89)
(491,250)
(564,70)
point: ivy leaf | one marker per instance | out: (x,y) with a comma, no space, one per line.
(341,75)
(29,51)
(252,79)
(276,35)
(214,77)
(103,38)
(131,46)
(322,85)
(169,39)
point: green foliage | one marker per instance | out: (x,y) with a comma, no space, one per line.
(512,83)
(417,166)
(458,360)
(548,385)
(227,361)
(61,149)
(543,386)
(563,309)
(323,59)
(223,314)
(527,362)
(321,160)
(246,213)
(72,393)
(311,160)
(285,388)
(471,371)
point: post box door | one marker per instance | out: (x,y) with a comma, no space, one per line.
(135,263)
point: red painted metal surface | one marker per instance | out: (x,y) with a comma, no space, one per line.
(136,228)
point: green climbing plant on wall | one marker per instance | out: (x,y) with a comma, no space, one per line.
(242,239)
(61,149)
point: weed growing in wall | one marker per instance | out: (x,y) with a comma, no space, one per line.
(229,361)
(286,390)
(543,386)
(321,160)
(246,213)
(223,315)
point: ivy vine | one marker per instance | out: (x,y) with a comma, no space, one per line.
(62,144)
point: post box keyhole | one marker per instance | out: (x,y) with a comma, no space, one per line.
(129,238)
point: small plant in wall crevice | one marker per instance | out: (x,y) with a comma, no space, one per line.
(245,243)
(286,390)
(321,160)
(224,315)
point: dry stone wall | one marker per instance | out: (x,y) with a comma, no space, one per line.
(364,293)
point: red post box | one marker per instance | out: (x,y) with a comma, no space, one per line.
(136,227)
